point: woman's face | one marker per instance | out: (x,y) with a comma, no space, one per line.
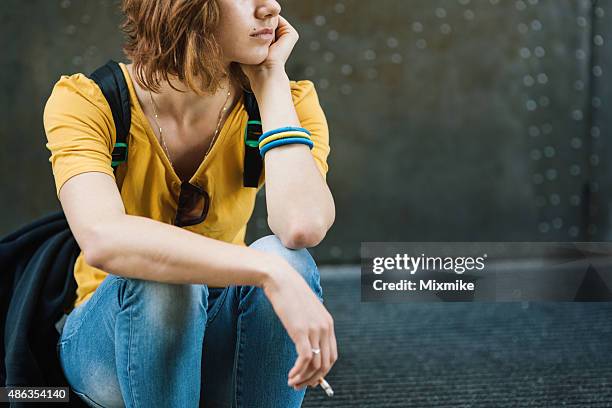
(241,18)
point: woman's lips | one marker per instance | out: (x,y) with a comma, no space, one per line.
(264,36)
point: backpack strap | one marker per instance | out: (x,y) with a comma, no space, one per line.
(111,81)
(253,163)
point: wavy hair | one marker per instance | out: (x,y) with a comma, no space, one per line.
(176,38)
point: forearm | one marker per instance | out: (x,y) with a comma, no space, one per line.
(298,200)
(142,248)
(275,102)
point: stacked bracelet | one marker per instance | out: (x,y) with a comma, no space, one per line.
(283,136)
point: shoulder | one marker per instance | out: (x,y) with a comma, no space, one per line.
(303,89)
(77,84)
(75,92)
(305,99)
(76,107)
(76,99)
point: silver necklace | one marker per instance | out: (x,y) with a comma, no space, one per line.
(161,131)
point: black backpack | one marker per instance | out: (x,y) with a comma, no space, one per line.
(37,285)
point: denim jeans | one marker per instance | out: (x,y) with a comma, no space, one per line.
(141,343)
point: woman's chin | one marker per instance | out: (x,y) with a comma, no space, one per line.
(255,57)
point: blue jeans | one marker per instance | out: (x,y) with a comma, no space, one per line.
(141,343)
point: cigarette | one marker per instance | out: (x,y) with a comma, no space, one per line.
(328,390)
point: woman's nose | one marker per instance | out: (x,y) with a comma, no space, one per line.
(268,8)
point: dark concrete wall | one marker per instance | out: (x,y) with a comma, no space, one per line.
(450,120)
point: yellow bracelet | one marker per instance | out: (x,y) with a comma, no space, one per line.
(282,135)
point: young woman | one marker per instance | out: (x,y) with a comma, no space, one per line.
(177,311)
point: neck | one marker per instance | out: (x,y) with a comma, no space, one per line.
(187,107)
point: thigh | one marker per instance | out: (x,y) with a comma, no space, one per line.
(86,347)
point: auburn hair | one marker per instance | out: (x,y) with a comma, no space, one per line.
(176,38)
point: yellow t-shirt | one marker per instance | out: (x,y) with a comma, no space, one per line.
(81,135)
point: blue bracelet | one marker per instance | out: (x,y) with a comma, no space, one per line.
(282,129)
(288,140)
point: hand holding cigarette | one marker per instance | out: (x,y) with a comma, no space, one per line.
(308,324)
(321,381)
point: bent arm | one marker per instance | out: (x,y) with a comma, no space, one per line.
(142,248)
(300,205)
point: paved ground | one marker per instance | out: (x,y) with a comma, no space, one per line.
(465,354)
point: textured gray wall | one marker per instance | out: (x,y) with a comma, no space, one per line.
(450,120)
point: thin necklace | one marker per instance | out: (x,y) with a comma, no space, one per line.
(161,131)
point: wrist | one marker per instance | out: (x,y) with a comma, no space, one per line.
(264,267)
(273,274)
(268,77)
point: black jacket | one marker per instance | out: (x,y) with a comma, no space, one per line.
(37,288)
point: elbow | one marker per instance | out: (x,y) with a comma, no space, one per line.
(305,235)
(94,257)
(95,250)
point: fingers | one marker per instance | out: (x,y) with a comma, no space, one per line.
(284,27)
(328,355)
(311,367)
(333,345)
(333,355)
(328,342)
(315,362)
(325,363)
(304,351)
(282,21)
